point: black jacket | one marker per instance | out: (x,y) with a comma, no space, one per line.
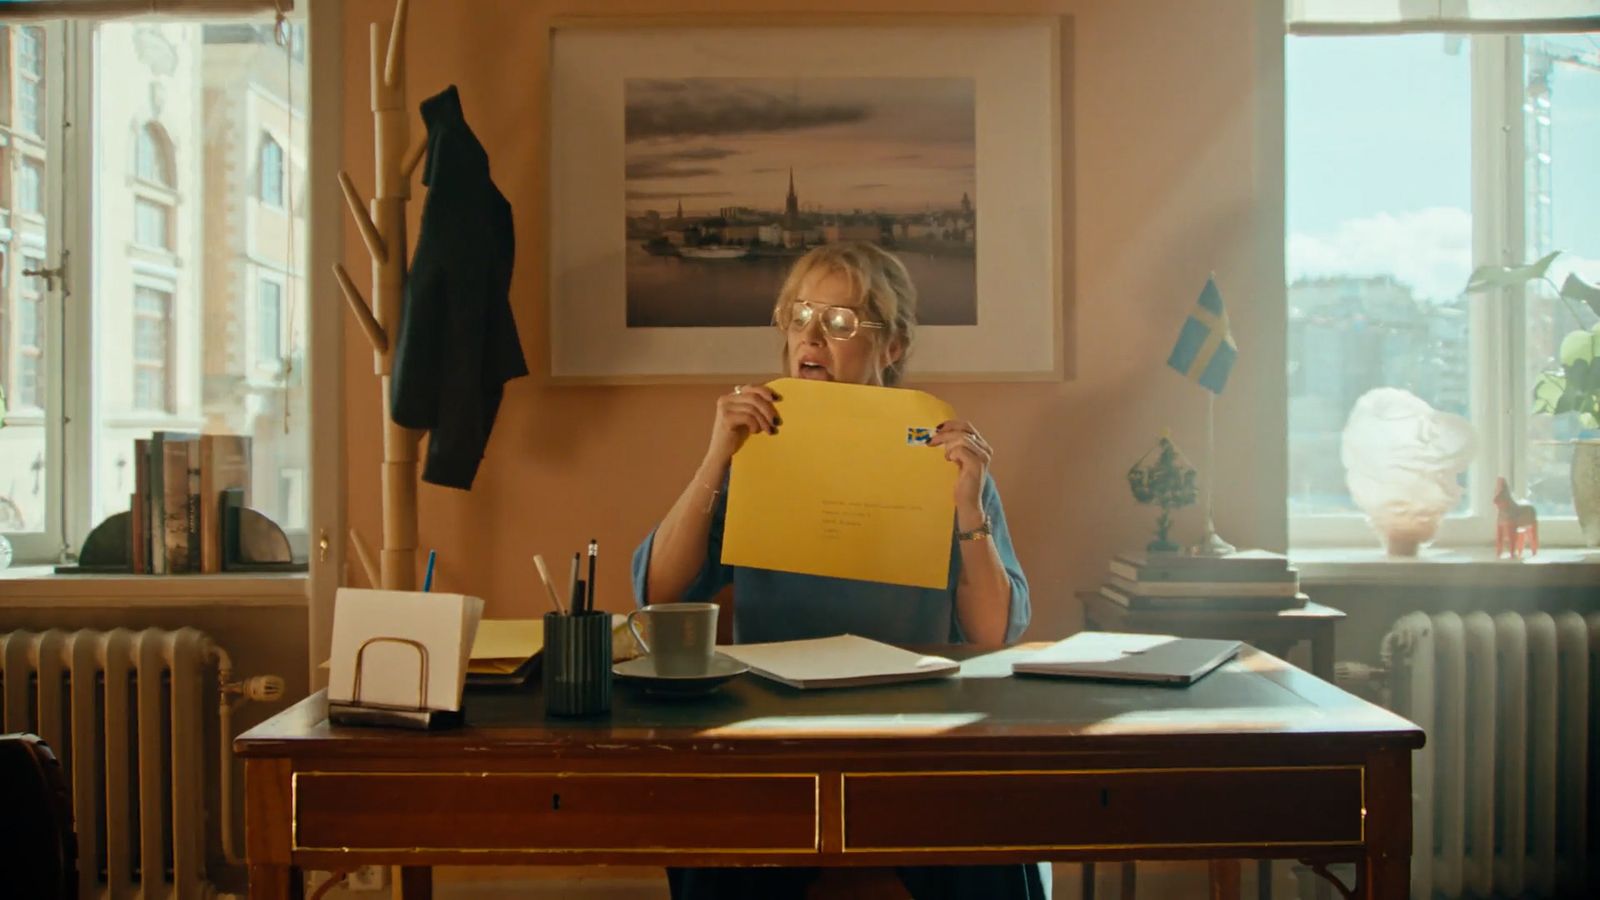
(458,342)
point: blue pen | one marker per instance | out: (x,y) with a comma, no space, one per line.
(427,580)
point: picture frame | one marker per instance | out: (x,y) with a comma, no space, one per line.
(663,262)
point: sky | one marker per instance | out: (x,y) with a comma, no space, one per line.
(887,144)
(1379,160)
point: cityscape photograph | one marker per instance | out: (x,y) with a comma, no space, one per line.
(729,180)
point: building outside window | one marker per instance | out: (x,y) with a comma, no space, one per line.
(31,330)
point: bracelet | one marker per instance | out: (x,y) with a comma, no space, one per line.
(982,531)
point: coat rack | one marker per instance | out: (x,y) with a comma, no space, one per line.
(382,224)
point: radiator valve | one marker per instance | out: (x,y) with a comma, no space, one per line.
(1360,677)
(260,688)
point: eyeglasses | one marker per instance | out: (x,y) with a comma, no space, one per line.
(838,322)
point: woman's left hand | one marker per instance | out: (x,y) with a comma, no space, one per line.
(965,447)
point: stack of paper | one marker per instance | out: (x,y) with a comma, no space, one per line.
(843,661)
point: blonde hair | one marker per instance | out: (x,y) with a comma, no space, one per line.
(879,280)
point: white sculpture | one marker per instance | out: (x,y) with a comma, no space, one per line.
(1401,459)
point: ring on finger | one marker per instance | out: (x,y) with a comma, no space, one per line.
(738,389)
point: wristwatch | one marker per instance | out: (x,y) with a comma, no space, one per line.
(980,533)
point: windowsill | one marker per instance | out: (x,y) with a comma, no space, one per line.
(23,586)
(1465,567)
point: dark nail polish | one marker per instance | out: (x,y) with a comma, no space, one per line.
(778,421)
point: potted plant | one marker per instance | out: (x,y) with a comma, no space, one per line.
(1571,384)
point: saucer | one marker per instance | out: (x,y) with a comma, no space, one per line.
(642,669)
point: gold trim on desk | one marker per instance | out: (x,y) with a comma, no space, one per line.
(1361,840)
(816,812)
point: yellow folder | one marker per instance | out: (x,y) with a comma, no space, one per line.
(847,488)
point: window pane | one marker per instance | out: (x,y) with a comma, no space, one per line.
(152,224)
(271,172)
(189,284)
(30,79)
(1561,129)
(30,187)
(269,325)
(1379,238)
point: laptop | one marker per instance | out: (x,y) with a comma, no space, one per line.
(1142,658)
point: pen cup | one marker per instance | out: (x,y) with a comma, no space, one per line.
(577,664)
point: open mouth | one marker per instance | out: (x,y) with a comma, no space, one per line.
(815,371)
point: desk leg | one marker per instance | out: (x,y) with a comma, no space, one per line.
(1086,885)
(276,883)
(1128,880)
(416,883)
(1224,879)
(1322,652)
(1385,872)
(1263,879)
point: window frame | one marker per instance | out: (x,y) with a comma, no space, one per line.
(164,365)
(269,141)
(1498,385)
(265,277)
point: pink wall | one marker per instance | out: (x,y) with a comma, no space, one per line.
(1174,138)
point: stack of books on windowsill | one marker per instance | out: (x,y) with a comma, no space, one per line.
(1248,580)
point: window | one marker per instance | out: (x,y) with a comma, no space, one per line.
(271,166)
(1399,183)
(152,223)
(163,255)
(30,187)
(153,156)
(269,324)
(30,80)
(152,343)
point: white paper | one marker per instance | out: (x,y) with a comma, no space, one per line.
(443,624)
(846,659)
(1096,646)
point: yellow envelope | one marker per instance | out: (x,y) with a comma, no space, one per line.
(502,645)
(846,488)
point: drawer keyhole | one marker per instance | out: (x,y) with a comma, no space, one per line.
(1105,797)
(555,802)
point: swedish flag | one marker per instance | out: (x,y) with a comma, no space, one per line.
(1205,350)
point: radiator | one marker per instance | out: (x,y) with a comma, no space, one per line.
(125,713)
(1510,704)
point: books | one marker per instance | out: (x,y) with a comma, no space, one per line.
(1248,580)
(844,661)
(1246,565)
(1142,602)
(1113,656)
(177,511)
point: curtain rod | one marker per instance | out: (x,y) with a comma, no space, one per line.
(25,10)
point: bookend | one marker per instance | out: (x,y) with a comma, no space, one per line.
(251,542)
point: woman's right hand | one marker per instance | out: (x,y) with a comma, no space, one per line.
(746,410)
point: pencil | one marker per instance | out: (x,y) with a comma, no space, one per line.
(427,580)
(575,599)
(588,589)
(544,576)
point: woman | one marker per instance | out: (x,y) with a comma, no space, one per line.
(848,313)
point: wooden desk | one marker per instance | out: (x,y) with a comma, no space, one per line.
(1275,631)
(1257,760)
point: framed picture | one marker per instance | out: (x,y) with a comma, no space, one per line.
(691,165)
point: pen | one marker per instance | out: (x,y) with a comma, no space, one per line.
(574,599)
(427,580)
(588,586)
(544,576)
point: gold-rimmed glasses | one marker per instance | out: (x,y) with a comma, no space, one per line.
(841,323)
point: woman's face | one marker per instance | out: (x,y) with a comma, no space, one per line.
(859,360)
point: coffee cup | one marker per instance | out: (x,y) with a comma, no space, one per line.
(683,636)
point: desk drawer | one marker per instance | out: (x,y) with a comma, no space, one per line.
(1145,808)
(539,812)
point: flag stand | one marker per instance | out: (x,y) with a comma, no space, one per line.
(1211,543)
